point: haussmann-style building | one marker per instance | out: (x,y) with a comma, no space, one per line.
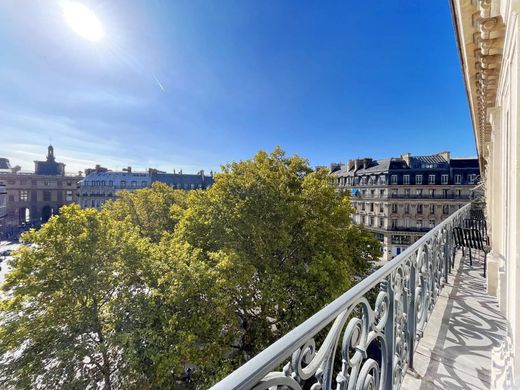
(101,185)
(400,199)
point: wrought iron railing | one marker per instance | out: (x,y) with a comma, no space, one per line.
(376,340)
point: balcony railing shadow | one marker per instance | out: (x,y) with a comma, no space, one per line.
(465,326)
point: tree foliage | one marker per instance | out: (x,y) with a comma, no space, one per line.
(160,280)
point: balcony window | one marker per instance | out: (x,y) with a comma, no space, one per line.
(407,193)
(111,183)
(134,184)
(445,209)
(407,209)
(381,193)
(431,179)
(418,193)
(143,184)
(444,179)
(419,224)
(381,222)
(46,196)
(458,179)
(432,193)
(381,210)
(406,179)
(363,206)
(419,209)
(432,223)
(394,208)
(373,193)
(445,194)
(371,221)
(394,223)
(123,184)
(394,179)
(382,179)
(432,209)
(68,196)
(394,193)
(371,207)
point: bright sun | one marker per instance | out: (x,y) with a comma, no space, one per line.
(82,20)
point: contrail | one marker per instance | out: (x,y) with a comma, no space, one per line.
(158,83)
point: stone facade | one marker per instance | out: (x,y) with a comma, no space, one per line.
(32,198)
(400,199)
(488,37)
(101,185)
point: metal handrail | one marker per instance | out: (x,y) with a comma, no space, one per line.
(426,263)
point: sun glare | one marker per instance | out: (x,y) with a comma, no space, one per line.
(82,20)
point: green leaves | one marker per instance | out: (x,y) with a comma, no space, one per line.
(161,279)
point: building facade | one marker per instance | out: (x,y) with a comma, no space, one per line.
(400,199)
(488,37)
(101,185)
(32,198)
(3,207)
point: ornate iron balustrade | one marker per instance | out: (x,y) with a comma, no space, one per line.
(377,341)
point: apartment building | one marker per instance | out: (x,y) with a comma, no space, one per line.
(101,185)
(400,199)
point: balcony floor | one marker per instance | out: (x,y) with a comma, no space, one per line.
(464,328)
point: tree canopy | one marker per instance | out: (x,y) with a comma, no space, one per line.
(163,280)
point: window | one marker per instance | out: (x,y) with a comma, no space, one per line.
(407,209)
(432,209)
(68,196)
(372,207)
(103,183)
(444,179)
(406,179)
(46,183)
(394,223)
(381,222)
(382,179)
(445,209)
(394,179)
(419,224)
(371,222)
(407,193)
(382,193)
(394,208)
(144,184)
(458,179)
(432,223)
(394,193)
(445,194)
(24,195)
(92,203)
(133,184)
(46,196)
(372,193)
(419,209)
(418,179)
(363,206)
(381,208)
(432,193)
(123,184)
(418,193)
(69,183)
(431,179)
(111,183)
(471,178)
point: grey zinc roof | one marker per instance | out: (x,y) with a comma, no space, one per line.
(376,166)
(174,178)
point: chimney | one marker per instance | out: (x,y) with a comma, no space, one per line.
(406,157)
(350,164)
(366,162)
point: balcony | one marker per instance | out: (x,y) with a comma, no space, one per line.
(377,334)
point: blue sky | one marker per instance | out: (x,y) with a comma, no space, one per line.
(194,84)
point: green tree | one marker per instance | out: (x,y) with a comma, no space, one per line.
(153,211)
(59,325)
(281,239)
